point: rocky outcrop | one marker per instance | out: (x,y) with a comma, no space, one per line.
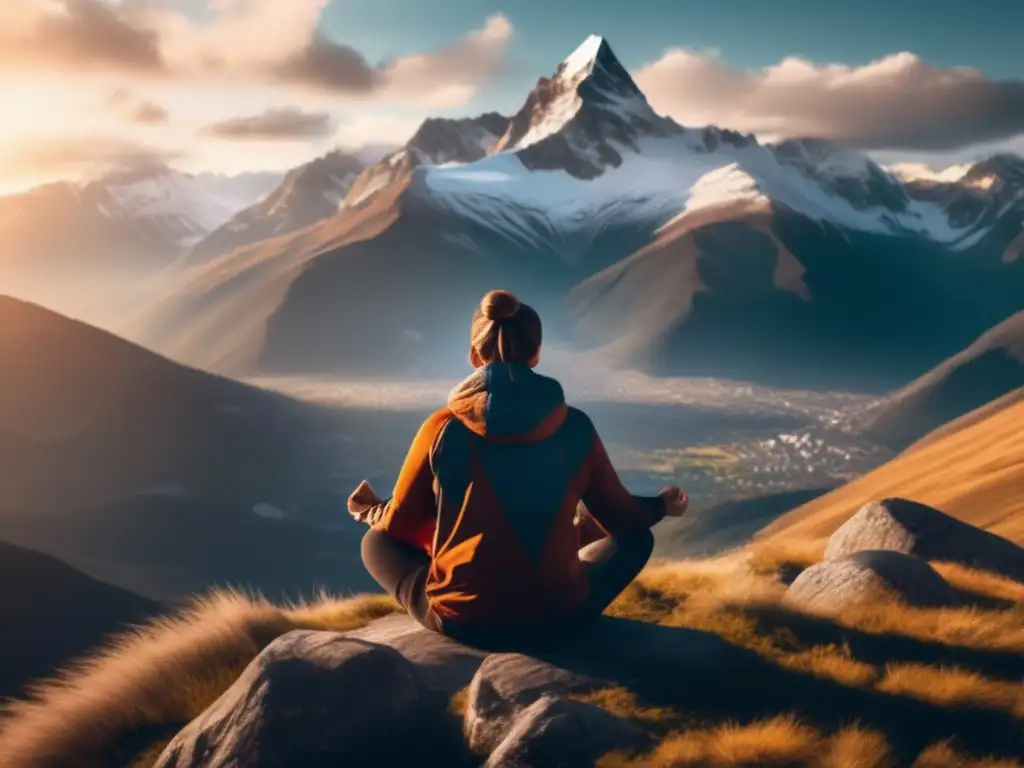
(316,699)
(863,578)
(382,695)
(561,732)
(504,686)
(912,528)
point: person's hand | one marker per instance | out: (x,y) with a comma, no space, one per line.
(361,499)
(676,501)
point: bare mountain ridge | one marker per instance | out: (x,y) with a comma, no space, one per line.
(985,371)
(587,178)
(137,470)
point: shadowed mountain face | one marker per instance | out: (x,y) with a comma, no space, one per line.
(156,477)
(986,370)
(675,250)
(827,308)
(52,613)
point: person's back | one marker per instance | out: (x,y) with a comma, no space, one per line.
(483,528)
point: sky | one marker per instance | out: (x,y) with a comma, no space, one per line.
(235,85)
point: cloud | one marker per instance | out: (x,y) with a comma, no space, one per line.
(122,101)
(149,113)
(272,125)
(898,102)
(72,156)
(249,41)
(76,35)
(368,129)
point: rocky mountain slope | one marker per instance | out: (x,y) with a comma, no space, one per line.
(53,614)
(306,195)
(678,250)
(986,370)
(158,478)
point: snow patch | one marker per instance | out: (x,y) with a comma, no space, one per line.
(583,58)
(922,172)
(667,177)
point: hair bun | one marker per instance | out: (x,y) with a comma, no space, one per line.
(499,305)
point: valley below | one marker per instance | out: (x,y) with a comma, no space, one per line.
(723,441)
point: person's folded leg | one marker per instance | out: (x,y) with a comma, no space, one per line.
(612,564)
(402,572)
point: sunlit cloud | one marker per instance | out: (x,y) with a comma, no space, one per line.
(271,42)
(898,101)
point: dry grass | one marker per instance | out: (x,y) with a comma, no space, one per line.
(980,582)
(730,596)
(162,674)
(944,756)
(778,741)
(953,687)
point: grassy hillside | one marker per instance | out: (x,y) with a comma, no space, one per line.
(973,470)
(136,470)
(886,686)
(986,370)
(51,613)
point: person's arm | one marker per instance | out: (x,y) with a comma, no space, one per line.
(614,508)
(410,515)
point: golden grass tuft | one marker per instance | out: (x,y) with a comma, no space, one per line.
(779,741)
(944,756)
(953,688)
(163,673)
(981,582)
(624,703)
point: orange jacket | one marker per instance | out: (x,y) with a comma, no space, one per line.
(490,489)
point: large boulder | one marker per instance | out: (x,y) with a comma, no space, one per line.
(560,732)
(901,525)
(445,664)
(314,699)
(506,684)
(862,578)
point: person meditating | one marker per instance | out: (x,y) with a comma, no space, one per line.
(485,535)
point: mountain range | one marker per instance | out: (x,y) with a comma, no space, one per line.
(695,251)
(84,248)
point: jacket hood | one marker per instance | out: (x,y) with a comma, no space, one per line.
(507,402)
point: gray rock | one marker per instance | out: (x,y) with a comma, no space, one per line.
(916,529)
(861,578)
(558,732)
(445,664)
(506,684)
(315,699)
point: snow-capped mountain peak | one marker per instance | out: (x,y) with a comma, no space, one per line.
(584,116)
(178,206)
(438,141)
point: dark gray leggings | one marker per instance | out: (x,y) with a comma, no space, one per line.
(612,563)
